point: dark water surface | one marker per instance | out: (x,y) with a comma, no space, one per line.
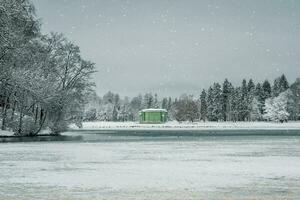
(154,165)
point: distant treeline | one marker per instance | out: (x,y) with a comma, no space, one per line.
(250,101)
(43,78)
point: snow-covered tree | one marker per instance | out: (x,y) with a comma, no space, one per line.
(124,114)
(227,92)
(243,103)
(258,93)
(148,101)
(164,104)
(280,85)
(185,109)
(276,108)
(203,106)
(294,101)
(255,114)
(135,106)
(266,89)
(155,102)
(43,77)
(214,102)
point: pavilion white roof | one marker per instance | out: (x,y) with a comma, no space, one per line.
(154,110)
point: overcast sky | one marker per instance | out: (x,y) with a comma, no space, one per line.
(175,47)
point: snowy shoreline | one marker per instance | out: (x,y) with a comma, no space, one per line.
(6,133)
(176,126)
(100,125)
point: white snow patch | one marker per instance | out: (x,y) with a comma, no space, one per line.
(6,133)
(154,110)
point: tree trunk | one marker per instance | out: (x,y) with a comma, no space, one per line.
(41,124)
(21,114)
(41,115)
(36,114)
(13,111)
(4,113)
(4,116)
(20,121)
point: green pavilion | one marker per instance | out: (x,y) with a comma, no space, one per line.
(153,116)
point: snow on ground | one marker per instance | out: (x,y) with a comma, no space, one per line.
(6,133)
(173,125)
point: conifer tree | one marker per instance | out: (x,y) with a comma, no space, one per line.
(283,84)
(210,106)
(250,97)
(148,101)
(164,104)
(267,90)
(251,86)
(259,95)
(280,85)
(266,93)
(294,101)
(255,113)
(215,102)
(203,106)
(169,103)
(155,103)
(227,89)
(276,87)
(243,102)
(234,104)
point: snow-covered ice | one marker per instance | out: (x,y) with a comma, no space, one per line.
(236,167)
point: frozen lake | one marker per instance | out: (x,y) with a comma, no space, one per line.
(158,167)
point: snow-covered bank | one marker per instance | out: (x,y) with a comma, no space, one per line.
(46,132)
(6,133)
(100,125)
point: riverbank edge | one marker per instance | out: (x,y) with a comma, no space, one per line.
(38,138)
(29,136)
